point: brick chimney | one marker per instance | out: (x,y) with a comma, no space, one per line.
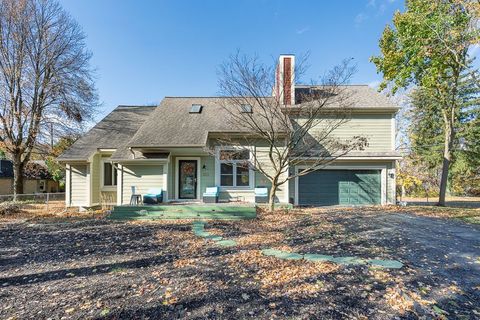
(285,79)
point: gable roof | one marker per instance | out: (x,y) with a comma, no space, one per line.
(112,132)
(172,124)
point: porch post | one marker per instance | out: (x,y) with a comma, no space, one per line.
(119,185)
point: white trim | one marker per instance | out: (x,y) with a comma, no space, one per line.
(251,173)
(393,131)
(383,185)
(119,185)
(106,150)
(68,186)
(89,184)
(347,158)
(143,161)
(165,182)
(383,176)
(286,188)
(198,177)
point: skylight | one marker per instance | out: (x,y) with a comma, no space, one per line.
(196,108)
(246,108)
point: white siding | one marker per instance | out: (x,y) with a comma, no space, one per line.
(142,177)
(79,186)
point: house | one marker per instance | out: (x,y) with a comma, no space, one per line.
(36,178)
(136,148)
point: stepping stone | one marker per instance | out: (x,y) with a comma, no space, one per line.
(226,243)
(282,254)
(317,257)
(349,260)
(213,237)
(389,264)
(201,233)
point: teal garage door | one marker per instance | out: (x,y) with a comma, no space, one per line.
(340,187)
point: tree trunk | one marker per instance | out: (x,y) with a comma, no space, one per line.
(17,176)
(447,158)
(271,198)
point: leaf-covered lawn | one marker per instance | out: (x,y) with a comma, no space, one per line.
(94,268)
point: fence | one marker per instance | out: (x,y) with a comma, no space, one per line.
(38,202)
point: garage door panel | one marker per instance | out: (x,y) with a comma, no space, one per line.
(340,187)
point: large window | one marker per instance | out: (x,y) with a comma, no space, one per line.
(109,175)
(234,168)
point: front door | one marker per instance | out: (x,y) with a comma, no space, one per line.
(187,179)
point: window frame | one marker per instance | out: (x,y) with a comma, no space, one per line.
(113,186)
(235,164)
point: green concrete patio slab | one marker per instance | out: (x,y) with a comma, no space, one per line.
(317,257)
(282,254)
(348,260)
(220,212)
(390,264)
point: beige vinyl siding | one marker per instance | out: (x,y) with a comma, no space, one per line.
(142,177)
(261,180)
(6,186)
(108,197)
(377,128)
(207,178)
(79,186)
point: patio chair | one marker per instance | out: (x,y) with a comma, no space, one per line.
(211,195)
(153,196)
(261,195)
(135,198)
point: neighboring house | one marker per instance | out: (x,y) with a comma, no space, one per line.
(36,178)
(165,147)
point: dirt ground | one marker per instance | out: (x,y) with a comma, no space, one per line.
(94,268)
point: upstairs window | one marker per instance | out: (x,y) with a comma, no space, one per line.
(196,108)
(246,108)
(234,168)
(109,175)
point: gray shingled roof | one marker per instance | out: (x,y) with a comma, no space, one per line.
(359,96)
(113,132)
(171,124)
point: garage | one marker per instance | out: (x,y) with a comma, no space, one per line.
(340,187)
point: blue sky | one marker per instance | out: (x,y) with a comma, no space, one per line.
(145,50)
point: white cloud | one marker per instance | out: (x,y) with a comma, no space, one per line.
(360,18)
(303,30)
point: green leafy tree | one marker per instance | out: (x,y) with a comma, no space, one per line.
(427,46)
(57,171)
(426,133)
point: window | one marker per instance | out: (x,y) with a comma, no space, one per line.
(196,108)
(246,108)
(109,175)
(234,168)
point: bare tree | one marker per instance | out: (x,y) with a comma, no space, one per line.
(45,76)
(290,135)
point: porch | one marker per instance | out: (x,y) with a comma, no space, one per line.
(194,210)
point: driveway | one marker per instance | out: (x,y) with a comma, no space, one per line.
(108,270)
